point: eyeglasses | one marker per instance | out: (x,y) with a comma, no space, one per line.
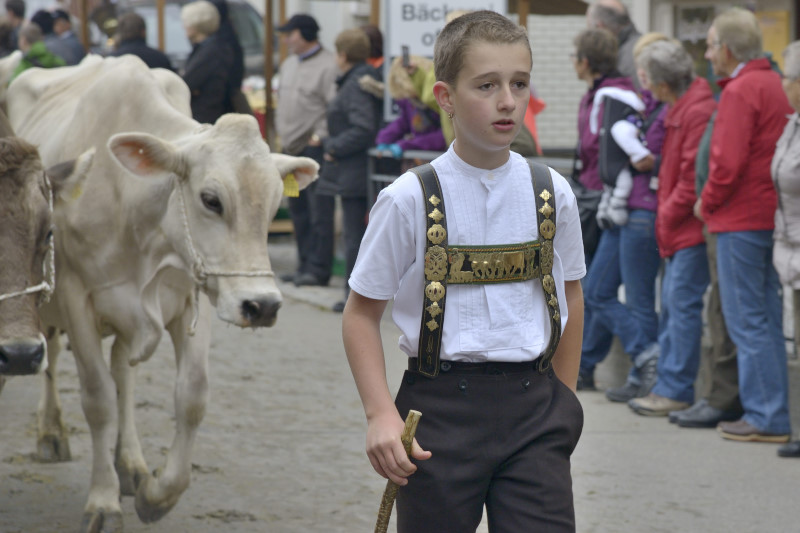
(713,45)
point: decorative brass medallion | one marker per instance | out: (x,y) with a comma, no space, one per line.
(436,233)
(547,229)
(548,284)
(434,291)
(435,263)
(546,261)
(436,216)
(434,310)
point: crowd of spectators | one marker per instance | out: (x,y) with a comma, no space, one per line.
(723,215)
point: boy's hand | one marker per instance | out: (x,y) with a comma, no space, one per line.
(385,450)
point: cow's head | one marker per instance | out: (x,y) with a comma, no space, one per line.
(26,248)
(226,190)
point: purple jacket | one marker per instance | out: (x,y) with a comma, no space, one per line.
(416,128)
(590,142)
(641,196)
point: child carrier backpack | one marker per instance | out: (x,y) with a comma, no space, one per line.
(611,158)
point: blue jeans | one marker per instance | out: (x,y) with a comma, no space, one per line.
(625,255)
(751,304)
(685,281)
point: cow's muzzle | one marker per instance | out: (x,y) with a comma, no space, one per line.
(260,313)
(22,357)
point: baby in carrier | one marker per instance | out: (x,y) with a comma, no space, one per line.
(622,144)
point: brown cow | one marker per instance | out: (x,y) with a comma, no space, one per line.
(26,261)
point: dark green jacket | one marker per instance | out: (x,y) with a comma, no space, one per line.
(38,56)
(703,152)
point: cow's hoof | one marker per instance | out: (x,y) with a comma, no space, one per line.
(130,476)
(101,522)
(53,449)
(129,481)
(149,508)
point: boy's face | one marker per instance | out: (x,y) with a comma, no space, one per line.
(489,101)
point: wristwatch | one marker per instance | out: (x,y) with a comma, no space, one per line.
(315,138)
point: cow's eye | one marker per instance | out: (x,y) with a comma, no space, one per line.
(211,202)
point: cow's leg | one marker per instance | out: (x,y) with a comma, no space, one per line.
(52,442)
(128,459)
(98,398)
(157,494)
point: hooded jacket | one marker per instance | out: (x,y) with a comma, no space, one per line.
(353,119)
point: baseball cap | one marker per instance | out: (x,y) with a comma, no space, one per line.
(305,23)
(60,14)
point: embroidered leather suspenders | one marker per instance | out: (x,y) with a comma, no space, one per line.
(483,264)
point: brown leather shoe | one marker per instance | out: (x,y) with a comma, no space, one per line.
(655,405)
(744,432)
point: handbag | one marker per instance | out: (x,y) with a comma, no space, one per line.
(588,202)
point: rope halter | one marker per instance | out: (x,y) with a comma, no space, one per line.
(48,284)
(201,273)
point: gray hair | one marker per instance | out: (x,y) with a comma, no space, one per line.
(668,62)
(201,15)
(614,20)
(791,61)
(31,32)
(738,29)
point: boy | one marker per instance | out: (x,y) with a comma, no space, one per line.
(498,421)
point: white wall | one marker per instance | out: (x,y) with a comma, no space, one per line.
(554,78)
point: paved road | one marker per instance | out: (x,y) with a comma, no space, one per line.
(281,447)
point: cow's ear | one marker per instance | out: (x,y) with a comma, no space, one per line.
(146,155)
(305,169)
(67,178)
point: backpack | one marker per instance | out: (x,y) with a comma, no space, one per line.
(611,158)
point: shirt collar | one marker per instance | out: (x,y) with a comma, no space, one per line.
(310,53)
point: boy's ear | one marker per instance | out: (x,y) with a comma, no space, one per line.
(444,96)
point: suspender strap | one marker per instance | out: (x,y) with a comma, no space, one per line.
(430,336)
(436,265)
(546,220)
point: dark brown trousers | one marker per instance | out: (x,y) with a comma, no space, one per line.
(501,436)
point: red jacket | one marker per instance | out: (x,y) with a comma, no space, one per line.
(751,115)
(676,226)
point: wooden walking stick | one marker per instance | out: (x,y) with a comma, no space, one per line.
(389,494)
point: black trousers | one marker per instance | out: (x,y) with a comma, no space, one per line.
(302,213)
(502,440)
(354,211)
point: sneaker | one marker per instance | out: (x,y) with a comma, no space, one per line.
(288,277)
(744,432)
(586,381)
(623,394)
(648,373)
(655,405)
(338,307)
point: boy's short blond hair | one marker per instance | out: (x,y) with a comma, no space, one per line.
(468,29)
(354,44)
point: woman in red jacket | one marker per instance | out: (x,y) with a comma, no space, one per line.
(678,232)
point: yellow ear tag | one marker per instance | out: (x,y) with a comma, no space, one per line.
(290,186)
